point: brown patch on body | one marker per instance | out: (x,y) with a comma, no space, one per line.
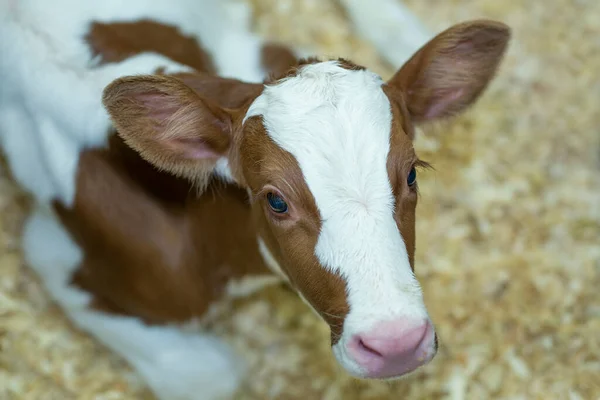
(291,239)
(152,248)
(117,41)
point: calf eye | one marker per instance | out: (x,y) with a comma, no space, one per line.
(412,177)
(276,203)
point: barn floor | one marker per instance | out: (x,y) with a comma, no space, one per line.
(508,238)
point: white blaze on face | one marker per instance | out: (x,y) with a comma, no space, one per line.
(337,123)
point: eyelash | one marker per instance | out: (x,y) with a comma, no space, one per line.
(419,165)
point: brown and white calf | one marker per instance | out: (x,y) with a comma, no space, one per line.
(134,232)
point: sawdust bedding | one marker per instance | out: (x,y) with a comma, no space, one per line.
(508,238)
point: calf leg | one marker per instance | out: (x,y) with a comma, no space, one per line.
(176,365)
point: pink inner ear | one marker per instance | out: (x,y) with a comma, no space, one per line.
(159,106)
(442,101)
(186,134)
(193,149)
(464,47)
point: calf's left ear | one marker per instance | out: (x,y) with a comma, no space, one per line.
(169,124)
(452,70)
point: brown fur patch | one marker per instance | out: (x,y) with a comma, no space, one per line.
(401,158)
(152,248)
(117,41)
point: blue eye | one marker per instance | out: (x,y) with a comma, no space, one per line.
(412,177)
(276,203)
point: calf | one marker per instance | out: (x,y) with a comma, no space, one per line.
(195,182)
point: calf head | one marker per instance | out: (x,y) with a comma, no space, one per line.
(326,156)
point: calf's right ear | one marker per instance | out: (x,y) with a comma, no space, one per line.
(452,70)
(169,124)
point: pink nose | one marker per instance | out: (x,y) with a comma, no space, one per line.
(394,348)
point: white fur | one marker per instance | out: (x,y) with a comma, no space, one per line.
(177,364)
(24,151)
(337,124)
(393,29)
(51,252)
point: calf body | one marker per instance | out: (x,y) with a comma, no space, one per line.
(203,182)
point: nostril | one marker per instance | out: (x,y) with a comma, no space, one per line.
(363,346)
(427,329)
